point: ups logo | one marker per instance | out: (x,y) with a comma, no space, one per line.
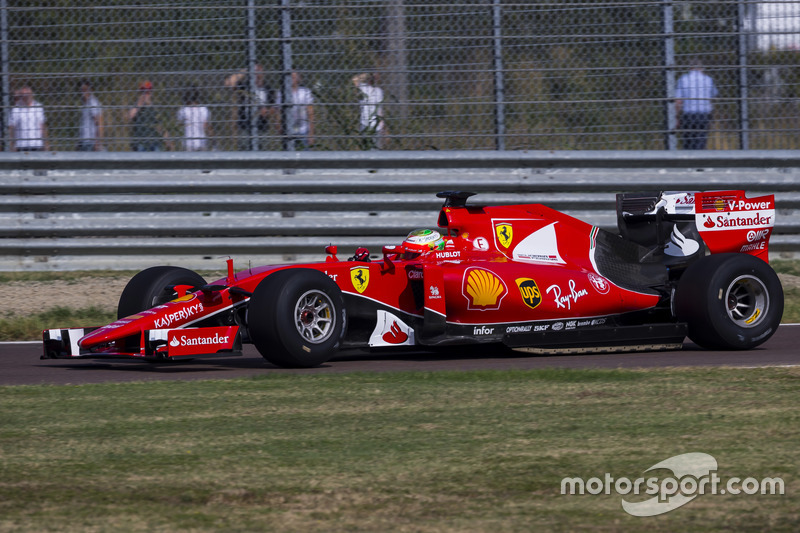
(530,292)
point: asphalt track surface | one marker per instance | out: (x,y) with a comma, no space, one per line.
(20,363)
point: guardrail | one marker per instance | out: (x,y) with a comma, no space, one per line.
(65,211)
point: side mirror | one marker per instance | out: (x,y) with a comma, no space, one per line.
(387,251)
(331,251)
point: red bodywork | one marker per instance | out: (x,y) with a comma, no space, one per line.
(511,274)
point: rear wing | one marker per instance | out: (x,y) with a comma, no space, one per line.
(674,222)
(730,222)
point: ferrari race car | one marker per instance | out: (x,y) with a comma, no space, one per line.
(524,276)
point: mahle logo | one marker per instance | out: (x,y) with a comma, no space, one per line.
(529,291)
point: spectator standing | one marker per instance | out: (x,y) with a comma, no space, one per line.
(300,115)
(91,126)
(146,133)
(27,124)
(251,104)
(693,95)
(372,125)
(195,119)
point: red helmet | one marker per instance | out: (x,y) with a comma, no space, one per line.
(423,240)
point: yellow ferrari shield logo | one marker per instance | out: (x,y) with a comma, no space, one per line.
(360,278)
(505,234)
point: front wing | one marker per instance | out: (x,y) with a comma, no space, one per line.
(154,344)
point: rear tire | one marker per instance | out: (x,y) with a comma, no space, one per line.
(296,318)
(729,301)
(153,286)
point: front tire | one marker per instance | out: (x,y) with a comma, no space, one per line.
(730,301)
(296,318)
(154,286)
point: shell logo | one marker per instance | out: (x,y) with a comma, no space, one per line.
(483,289)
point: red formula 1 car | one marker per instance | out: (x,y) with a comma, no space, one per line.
(524,276)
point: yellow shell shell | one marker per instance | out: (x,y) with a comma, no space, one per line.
(484,287)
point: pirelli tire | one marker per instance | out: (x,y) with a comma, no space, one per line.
(296,318)
(729,301)
(154,286)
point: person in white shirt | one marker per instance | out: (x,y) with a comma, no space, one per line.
(300,115)
(693,102)
(372,125)
(196,125)
(91,126)
(27,123)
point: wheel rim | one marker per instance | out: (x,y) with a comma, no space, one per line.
(314,317)
(747,301)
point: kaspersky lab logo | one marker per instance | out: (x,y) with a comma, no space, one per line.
(692,475)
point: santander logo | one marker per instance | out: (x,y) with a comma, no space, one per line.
(191,341)
(390,331)
(395,335)
(186,340)
(679,245)
(738,220)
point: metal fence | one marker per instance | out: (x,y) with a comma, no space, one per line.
(401,74)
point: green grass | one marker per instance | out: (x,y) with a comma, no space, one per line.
(785,266)
(15,328)
(448,451)
(791,306)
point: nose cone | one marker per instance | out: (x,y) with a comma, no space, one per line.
(124,327)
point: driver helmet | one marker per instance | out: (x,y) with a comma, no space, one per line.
(423,240)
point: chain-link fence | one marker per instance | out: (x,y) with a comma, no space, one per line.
(400,74)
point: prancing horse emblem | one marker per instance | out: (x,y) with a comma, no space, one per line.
(360,278)
(505,234)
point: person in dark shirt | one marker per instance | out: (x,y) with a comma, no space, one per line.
(254,107)
(147,135)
